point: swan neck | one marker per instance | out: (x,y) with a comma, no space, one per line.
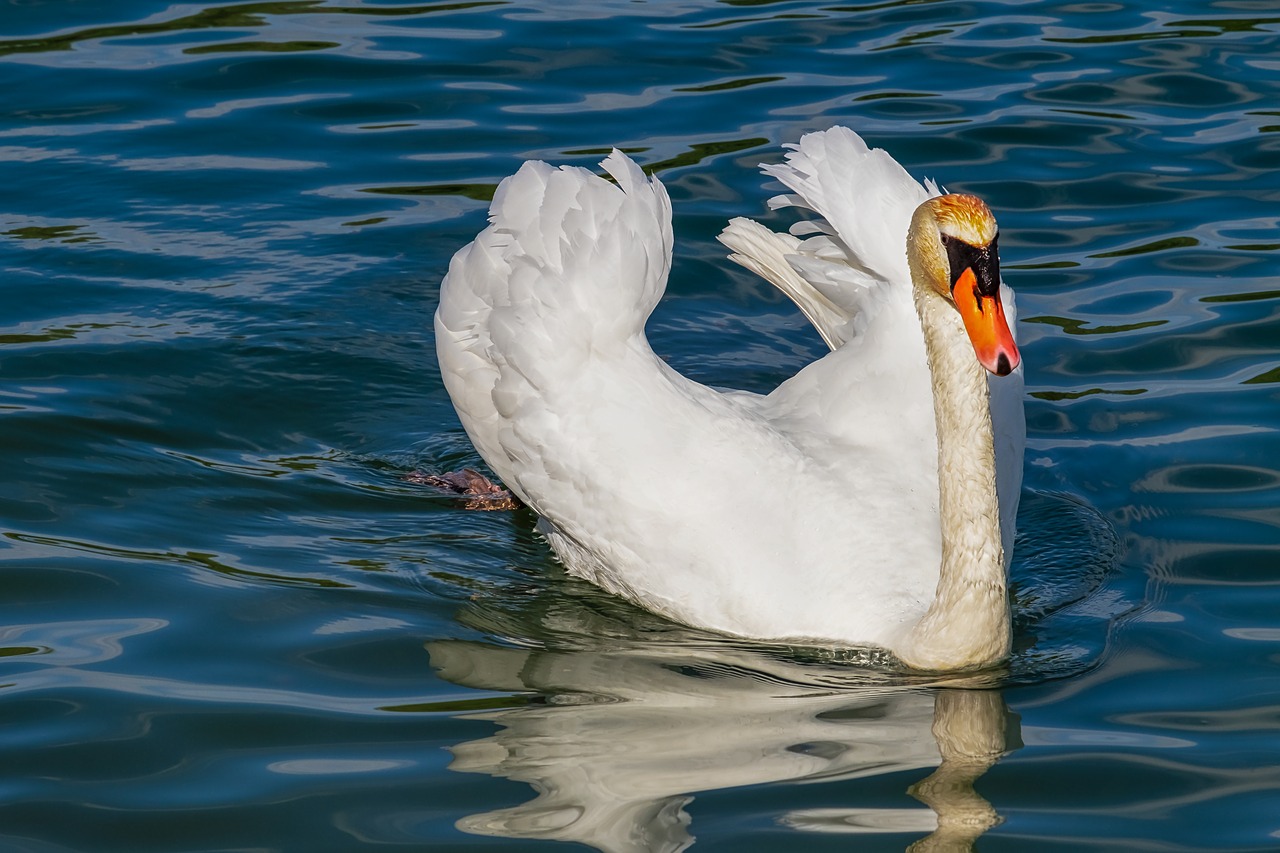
(967,624)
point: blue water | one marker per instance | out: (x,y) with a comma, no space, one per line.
(230,622)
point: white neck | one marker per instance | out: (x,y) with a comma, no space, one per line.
(967,625)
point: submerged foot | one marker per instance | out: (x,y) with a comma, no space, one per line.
(481,492)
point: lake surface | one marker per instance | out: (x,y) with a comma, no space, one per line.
(230,621)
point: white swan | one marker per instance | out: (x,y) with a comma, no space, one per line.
(856,504)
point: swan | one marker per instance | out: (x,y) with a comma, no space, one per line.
(867,501)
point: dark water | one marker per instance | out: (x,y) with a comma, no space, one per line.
(230,623)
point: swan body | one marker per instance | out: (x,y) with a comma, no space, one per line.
(814,514)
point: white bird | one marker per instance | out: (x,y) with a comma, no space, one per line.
(867,501)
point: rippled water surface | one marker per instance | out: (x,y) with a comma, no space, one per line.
(231,623)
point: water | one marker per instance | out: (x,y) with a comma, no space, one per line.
(230,622)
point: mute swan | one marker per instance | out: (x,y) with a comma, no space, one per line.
(859,503)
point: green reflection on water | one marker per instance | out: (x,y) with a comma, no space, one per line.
(61,233)
(1079,327)
(1242,297)
(630,151)
(1270,377)
(696,154)
(916,39)
(1266,128)
(262,47)
(45,337)
(731,84)
(1092,113)
(1048,265)
(479,192)
(1156,246)
(246,15)
(1056,396)
(705,150)
(876,96)
(734,22)
(1184,29)
(1254,247)
(1230,25)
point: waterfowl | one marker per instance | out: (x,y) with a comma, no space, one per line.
(868,500)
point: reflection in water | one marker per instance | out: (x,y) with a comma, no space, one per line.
(969,727)
(623,738)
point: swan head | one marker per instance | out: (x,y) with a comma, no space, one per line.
(956,236)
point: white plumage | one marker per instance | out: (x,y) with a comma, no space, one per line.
(809,514)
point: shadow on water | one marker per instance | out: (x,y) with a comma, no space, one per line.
(618,719)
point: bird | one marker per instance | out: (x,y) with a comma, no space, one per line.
(868,501)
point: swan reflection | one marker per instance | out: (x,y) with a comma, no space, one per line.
(619,741)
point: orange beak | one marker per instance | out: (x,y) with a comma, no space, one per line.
(984,321)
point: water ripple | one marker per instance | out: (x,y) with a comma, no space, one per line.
(234,623)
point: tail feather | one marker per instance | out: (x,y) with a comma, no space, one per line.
(569,268)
